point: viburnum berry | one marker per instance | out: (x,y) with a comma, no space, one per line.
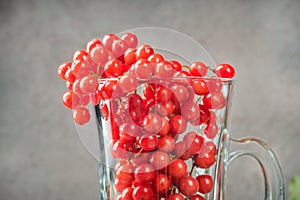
(159,160)
(161,183)
(108,40)
(92,44)
(62,69)
(144,172)
(70,100)
(99,54)
(128,83)
(144,51)
(175,196)
(198,69)
(177,168)
(129,57)
(148,143)
(119,47)
(80,55)
(214,100)
(176,65)
(225,71)
(205,183)
(142,193)
(164,69)
(114,68)
(155,58)
(127,194)
(88,84)
(188,186)
(130,39)
(152,123)
(177,124)
(81,115)
(143,68)
(166,143)
(197,197)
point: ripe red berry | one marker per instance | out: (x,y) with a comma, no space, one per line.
(205,183)
(225,71)
(92,44)
(159,160)
(177,124)
(130,39)
(148,143)
(81,115)
(177,168)
(161,183)
(196,197)
(88,84)
(142,193)
(129,57)
(63,68)
(70,99)
(175,196)
(114,68)
(80,55)
(128,83)
(155,58)
(166,143)
(198,69)
(144,172)
(152,123)
(144,51)
(188,186)
(108,40)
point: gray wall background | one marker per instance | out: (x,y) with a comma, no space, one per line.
(41,156)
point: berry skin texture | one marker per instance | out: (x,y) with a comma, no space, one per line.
(177,168)
(196,197)
(188,186)
(142,193)
(130,39)
(81,115)
(175,196)
(225,71)
(62,69)
(205,183)
(144,172)
(198,69)
(161,183)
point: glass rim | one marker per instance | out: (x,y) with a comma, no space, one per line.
(223,80)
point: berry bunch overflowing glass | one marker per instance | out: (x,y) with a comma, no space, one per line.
(161,120)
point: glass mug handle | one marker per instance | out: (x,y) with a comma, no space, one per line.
(263,154)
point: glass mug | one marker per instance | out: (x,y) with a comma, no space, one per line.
(200,143)
(169,138)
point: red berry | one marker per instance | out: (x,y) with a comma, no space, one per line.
(214,100)
(81,115)
(114,68)
(159,160)
(144,172)
(190,111)
(225,71)
(121,185)
(161,183)
(69,76)
(80,55)
(99,54)
(164,69)
(196,197)
(205,183)
(198,69)
(211,130)
(144,51)
(177,124)
(153,123)
(130,39)
(63,68)
(194,142)
(143,68)
(176,65)
(188,186)
(148,143)
(92,44)
(166,143)
(70,100)
(155,58)
(177,168)
(175,196)
(127,194)
(119,47)
(142,193)
(128,83)
(199,86)
(207,156)
(88,84)
(108,40)
(129,56)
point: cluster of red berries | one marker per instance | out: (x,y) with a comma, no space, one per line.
(153,103)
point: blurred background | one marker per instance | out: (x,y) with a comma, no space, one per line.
(41,156)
